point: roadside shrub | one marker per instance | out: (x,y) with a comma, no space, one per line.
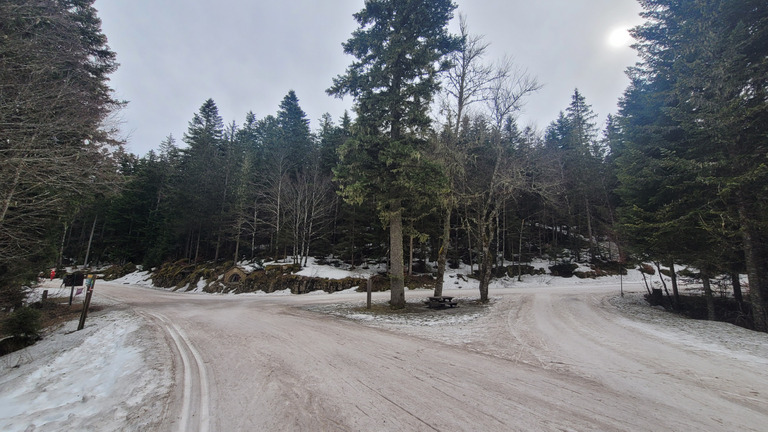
(688,273)
(11,296)
(563,269)
(647,269)
(609,267)
(23,323)
(589,274)
(524,269)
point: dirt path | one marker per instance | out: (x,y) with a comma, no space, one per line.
(544,358)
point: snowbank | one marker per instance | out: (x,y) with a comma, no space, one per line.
(99,378)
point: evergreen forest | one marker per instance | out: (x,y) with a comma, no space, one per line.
(431,168)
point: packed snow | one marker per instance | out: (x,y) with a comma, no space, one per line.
(102,375)
(105,373)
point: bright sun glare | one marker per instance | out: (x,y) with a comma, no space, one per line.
(619,37)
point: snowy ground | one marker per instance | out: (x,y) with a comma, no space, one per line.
(103,377)
(119,373)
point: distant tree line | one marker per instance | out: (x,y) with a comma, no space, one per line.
(433,166)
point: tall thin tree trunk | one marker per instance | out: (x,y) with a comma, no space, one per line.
(9,198)
(708,296)
(755,251)
(442,254)
(218,247)
(520,253)
(90,242)
(197,244)
(486,261)
(60,260)
(589,230)
(736,282)
(237,250)
(469,241)
(354,218)
(505,233)
(410,255)
(396,275)
(277,214)
(188,245)
(675,291)
(253,234)
(661,278)
(498,261)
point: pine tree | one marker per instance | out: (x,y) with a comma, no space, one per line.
(573,140)
(203,179)
(400,47)
(704,71)
(54,69)
(294,125)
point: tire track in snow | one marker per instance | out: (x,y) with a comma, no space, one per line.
(195,411)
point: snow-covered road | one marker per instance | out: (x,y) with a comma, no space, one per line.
(543,357)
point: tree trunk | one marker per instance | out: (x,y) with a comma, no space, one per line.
(736,282)
(396,275)
(60,260)
(675,291)
(197,245)
(708,295)
(486,264)
(9,198)
(237,240)
(410,254)
(90,242)
(253,232)
(661,277)
(277,213)
(218,247)
(520,253)
(442,254)
(465,222)
(757,267)
(589,230)
(486,230)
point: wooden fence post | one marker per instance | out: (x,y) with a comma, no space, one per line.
(370,288)
(87,303)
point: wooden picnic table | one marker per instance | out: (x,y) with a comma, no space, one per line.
(440,302)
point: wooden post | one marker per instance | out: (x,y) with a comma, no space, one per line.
(621,281)
(87,303)
(72,292)
(370,288)
(45,295)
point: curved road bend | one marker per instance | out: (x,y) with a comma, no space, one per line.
(543,358)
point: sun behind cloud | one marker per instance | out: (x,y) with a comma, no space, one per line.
(619,37)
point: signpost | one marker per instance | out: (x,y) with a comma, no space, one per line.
(89,285)
(72,280)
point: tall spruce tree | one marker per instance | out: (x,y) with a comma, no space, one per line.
(573,140)
(54,99)
(400,47)
(203,179)
(294,125)
(705,64)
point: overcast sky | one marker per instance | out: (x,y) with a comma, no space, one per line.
(247,55)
